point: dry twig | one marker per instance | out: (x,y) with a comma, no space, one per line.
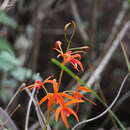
(29,108)
(121,101)
(12,99)
(79,22)
(39,113)
(118,21)
(7,4)
(100,68)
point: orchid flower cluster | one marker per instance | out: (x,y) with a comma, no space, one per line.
(62,103)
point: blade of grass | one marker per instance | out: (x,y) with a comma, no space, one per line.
(125,56)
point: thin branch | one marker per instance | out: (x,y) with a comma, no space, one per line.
(78,20)
(12,99)
(39,113)
(116,42)
(34,126)
(103,113)
(121,101)
(118,21)
(7,4)
(29,108)
(94,22)
(6,121)
(100,68)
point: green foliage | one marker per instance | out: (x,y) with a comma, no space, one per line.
(11,71)
(7,61)
(6,20)
(4,45)
(20,73)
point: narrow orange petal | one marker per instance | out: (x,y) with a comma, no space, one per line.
(44,99)
(64,118)
(77,94)
(49,81)
(58,110)
(74,113)
(84,89)
(76,56)
(74,101)
(65,61)
(66,95)
(60,99)
(80,64)
(75,66)
(50,101)
(29,87)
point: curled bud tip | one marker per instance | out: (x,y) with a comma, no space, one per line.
(58,44)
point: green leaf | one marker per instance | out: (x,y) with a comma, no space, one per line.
(21,73)
(6,20)
(4,45)
(7,61)
(6,94)
(129,1)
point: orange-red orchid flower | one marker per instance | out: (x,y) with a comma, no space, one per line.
(77,95)
(67,111)
(55,97)
(39,84)
(69,57)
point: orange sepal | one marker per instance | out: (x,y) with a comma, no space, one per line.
(44,99)
(64,118)
(84,89)
(58,110)
(74,101)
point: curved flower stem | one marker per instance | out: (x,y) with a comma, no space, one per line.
(72,35)
(72,23)
(47,121)
(44,89)
(60,77)
(103,113)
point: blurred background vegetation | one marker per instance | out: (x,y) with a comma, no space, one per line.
(28,32)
